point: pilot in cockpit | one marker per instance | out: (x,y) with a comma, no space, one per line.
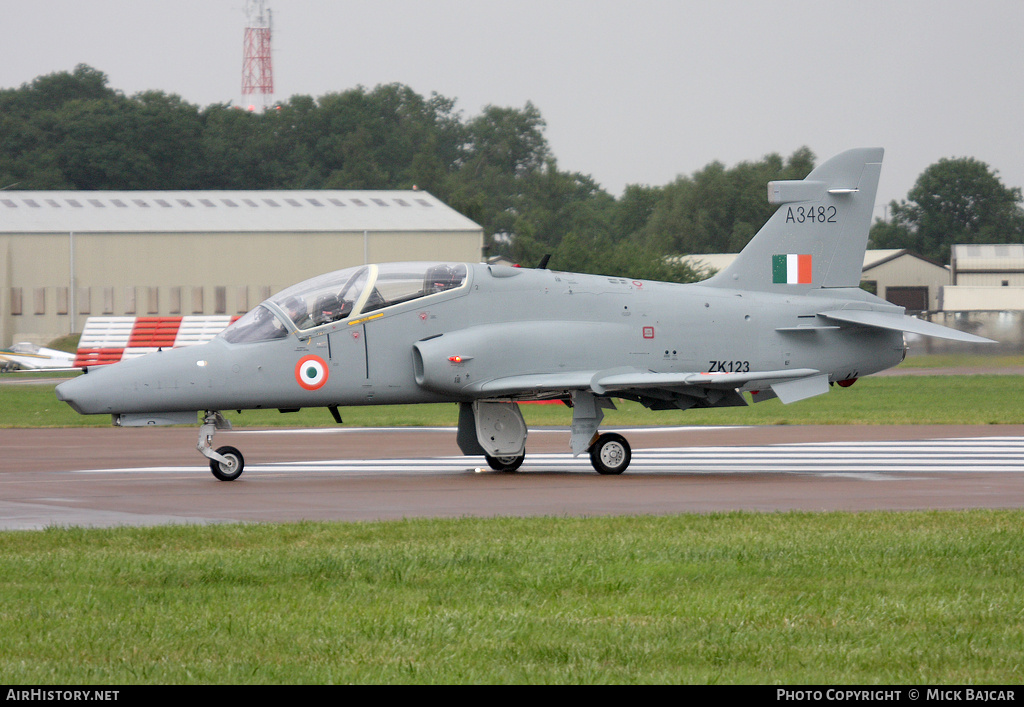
(295,308)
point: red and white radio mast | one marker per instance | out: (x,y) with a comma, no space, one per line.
(257,69)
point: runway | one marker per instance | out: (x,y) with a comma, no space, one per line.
(113,477)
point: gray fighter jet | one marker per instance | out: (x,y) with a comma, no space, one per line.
(787,319)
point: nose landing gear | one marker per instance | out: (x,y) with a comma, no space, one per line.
(226,463)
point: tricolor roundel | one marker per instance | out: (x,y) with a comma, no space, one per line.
(311,372)
(791,269)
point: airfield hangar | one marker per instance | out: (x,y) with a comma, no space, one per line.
(69,255)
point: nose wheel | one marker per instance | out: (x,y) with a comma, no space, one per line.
(231,468)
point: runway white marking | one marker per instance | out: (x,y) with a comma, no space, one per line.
(533,430)
(868,459)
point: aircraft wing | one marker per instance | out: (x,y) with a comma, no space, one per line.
(29,356)
(649,379)
(901,322)
(789,385)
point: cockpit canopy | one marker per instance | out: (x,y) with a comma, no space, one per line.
(344,294)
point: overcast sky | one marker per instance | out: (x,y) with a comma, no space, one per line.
(632,92)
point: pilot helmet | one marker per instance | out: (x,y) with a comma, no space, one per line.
(294,306)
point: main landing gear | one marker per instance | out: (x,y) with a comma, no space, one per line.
(496,430)
(610,454)
(226,463)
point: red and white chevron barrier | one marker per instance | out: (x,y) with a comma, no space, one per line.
(107,340)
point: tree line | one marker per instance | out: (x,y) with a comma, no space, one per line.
(71,130)
(955,200)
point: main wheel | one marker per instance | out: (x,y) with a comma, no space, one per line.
(233,469)
(610,454)
(507,464)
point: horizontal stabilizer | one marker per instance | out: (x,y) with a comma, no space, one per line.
(901,322)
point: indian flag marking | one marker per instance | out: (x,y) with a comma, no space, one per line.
(311,372)
(791,269)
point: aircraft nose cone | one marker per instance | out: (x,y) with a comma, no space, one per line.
(75,392)
(65,393)
(171,380)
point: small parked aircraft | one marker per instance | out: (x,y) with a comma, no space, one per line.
(27,356)
(787,319)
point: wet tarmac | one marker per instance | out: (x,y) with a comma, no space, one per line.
(132,477)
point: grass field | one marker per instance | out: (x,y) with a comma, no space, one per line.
(889,598)
(964,361)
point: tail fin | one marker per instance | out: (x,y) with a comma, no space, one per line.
(818,235)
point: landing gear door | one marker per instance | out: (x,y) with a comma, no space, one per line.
(500,428)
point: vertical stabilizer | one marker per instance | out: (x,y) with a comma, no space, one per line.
(818,235)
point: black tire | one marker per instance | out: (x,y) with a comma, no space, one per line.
(507,464)
(230,472)
(610,454)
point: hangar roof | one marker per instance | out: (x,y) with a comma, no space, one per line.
(874,258)
(994,257)
(290,211)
